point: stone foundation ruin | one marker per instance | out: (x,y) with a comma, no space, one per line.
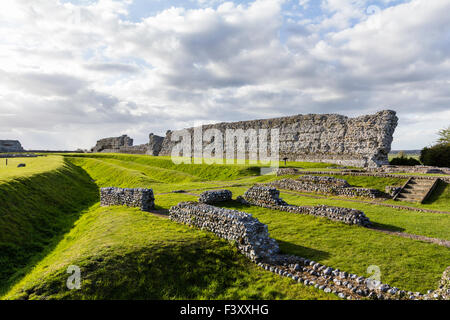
(363,141)
(213,196)
(326,185)
(253,240)
(141,198)
(250,235)
(268,197)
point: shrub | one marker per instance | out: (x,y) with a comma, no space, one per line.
(436,156)
(404,161)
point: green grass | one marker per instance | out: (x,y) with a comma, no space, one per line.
(124,253)
(37,209)
(420,223)
(379,183)
(34,166)
(407,264)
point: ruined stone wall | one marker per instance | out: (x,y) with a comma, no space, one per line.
(213,196)
(363,141)
(251,236)
(124,144)
(141,198)
(268,197)
(326,185)
(412,169)
(111,144)
(154,144)
(10,146)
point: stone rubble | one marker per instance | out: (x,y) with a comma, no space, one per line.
(213,196)
(139,197)
(268,197)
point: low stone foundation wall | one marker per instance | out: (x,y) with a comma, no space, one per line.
(328,185)
(252,239)
(268,197)
(213,196)
(251,236)
(411,169)
(141,198)
(377,174)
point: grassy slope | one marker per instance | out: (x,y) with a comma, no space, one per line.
(105,242)
(124,253)
(36,209)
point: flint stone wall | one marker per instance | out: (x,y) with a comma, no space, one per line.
(253,240)
(124,144)
(213,196)
(10,146)
(268,197)
(329,185)
(141,198)
(412,169)
(251,236)
(114,143)
(444,286)
(363,141)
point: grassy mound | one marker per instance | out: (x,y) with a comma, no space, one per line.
(124,253)
(36,209)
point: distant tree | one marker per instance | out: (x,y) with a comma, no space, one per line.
(402,160)
(439,154)
(444,135)
(436,156)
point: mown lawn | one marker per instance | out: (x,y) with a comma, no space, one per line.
(124,253)
(33,166)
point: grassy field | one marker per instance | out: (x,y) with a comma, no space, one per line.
(128,254)
(34,166)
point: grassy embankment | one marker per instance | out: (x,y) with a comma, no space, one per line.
(125,253)
(39,203)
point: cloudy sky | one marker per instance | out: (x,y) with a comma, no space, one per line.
(72,72)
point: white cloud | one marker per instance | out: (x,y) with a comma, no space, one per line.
(70,75)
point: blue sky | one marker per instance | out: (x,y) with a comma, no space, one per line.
(72,72)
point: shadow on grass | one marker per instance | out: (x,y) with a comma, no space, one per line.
(438,192)
(387,227)
(304,252)
(35,214)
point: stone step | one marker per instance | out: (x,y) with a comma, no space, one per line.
(415,192)
(421,182)
(417,188)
